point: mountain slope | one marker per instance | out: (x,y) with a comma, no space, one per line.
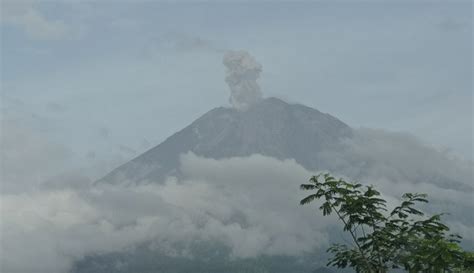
(271,127)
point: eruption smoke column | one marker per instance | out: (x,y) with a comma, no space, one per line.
(242,74)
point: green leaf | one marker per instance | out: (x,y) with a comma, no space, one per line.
(308,199)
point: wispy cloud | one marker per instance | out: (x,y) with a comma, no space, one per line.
(35,24)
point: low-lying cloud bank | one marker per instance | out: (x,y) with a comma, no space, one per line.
(249,205)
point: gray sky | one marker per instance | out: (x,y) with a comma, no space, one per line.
(110,79)
(87,85)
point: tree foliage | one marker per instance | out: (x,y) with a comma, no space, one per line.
(403,237)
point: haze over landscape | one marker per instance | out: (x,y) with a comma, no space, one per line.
(173,137)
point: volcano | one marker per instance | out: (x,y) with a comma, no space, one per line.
(270,127)
(277,130)
(231,204)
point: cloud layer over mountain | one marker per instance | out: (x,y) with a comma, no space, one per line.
(248,204)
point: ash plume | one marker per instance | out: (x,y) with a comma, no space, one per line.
(242,74)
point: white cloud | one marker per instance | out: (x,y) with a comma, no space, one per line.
(248,204)
(399,158)
(26,15)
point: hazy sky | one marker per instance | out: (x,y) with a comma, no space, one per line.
(87,85)
(106,78)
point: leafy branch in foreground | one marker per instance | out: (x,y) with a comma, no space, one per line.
(401,238)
